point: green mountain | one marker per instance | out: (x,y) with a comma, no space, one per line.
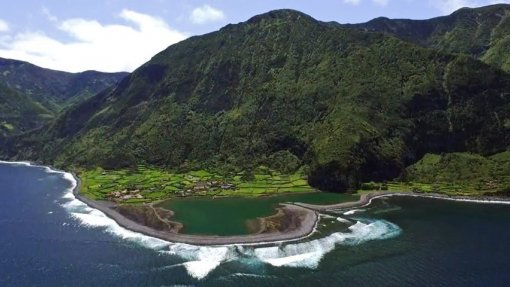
(286,91)
(18,112)
(30,95)
(463,172)
(481,32)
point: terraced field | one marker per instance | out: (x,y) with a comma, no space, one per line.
(453,174)
(147,184)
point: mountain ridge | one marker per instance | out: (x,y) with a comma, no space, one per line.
(30,79)
(46,91)
(347,106)
(480,32)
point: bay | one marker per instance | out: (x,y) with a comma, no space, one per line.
(48,238)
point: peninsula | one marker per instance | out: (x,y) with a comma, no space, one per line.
(284,103)
(136,205)
(289,223)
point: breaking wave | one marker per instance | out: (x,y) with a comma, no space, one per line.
(351,212)
(309,254)
(18,163)
(199,261)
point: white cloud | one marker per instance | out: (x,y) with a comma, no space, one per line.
(206,13)
(93,45)
(46,12)
(449,6)
(4,27)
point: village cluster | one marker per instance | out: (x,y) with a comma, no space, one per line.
(198,188)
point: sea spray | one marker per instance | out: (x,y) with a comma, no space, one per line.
(343,220)
(486,200)
(17,163)
(94,218)
(308,254)
(199,261)
(202,259)
(351,212)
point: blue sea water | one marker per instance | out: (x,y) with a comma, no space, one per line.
(48,238)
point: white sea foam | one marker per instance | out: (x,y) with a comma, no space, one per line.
(351,212)
(250,275)
(311,258)
(21,163)
(68,195)
(75,205)
(205,264)
(309,254)
(96,219)
(343,220)
(468,200)
(200,268)
(202,259)
(199,261)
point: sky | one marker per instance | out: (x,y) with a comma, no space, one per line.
(121,35)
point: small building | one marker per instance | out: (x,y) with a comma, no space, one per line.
(228,186)
(200,186)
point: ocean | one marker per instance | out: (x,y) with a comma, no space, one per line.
(48,238)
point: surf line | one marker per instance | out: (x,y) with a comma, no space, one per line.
(201,260)
(252,240)
(366,200)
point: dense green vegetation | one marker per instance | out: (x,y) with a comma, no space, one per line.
(340,105)
(283,90)
(453,173)
(142,184)
(19,112)
(464,172)
(483,33)
(31,96)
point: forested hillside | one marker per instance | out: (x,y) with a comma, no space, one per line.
(286,91)
(483,33)
(31,96)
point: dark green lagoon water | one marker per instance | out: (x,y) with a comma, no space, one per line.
(227,216)
(48,238)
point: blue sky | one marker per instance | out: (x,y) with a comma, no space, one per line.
(120,35)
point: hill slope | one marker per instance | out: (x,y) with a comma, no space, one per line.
(18,112)
(481,32)
(32,95)
(287,91)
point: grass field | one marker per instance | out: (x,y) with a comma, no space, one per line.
(156,184)
(453,174)
(419,187)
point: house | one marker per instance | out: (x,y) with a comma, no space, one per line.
(228,186)
(200,186)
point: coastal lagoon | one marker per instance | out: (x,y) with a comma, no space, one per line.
(228,216)
(48,238)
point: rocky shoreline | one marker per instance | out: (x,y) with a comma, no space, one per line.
(293,221)
(303,222)
(366,199)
